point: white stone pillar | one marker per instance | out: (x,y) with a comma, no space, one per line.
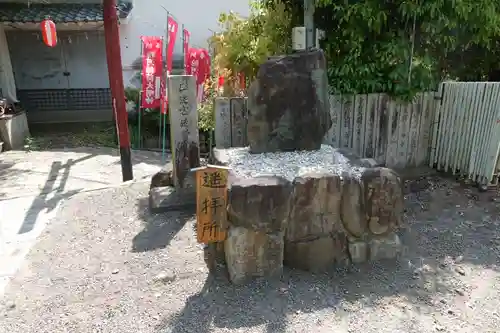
(184,130)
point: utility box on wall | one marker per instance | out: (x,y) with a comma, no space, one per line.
(299,38)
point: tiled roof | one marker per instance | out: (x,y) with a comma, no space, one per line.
(59,13)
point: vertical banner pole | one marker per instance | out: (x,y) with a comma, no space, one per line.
(183,50)
(139,117)
(164,141)
(160,141)
(161,101)
(213,75)
(164,123)
(139,113)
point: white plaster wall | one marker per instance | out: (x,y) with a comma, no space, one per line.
(37,66)
(149,18)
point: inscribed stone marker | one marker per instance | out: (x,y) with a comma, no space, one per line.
(222,123)
(183,126)
(238,122)
(211,203)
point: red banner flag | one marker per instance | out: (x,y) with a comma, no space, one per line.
(171,35)
(199,66)
(187,68)
(151,71)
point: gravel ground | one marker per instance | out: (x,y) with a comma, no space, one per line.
(105,265)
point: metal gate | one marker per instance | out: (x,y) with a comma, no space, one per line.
(466,135)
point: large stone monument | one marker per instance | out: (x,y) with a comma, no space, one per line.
(297,202)
(288,104)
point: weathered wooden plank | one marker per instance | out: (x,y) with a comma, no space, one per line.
(462,128)
(482,113)
(381,126)
(404,134)
(487,151)
(451,127)
(347,118)
(369,124)
(431,109)
(392,133)
(421,151)
(238,122)
(474,97)
(434,141)
(415,117)
(183,126)
(358,130)
(333,136)
(492,159)
(458,112)
(442,133)
(222,123)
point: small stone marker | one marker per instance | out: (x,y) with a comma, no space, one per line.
(222,123)
(238,122)
(211,203)
(183,126)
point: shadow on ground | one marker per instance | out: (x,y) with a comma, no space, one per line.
(50,192)
(57,172)
(159,229)
(448,227)
(60,171)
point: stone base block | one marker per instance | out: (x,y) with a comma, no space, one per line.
(317,255)
(384,247)
(328,206)
(251,254)
(387,247)
(358,252)
(168,198)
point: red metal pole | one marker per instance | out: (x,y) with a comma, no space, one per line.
(115,72)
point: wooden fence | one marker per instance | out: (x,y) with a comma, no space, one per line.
(374,126)
(467,138)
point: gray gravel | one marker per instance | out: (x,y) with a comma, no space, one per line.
(289,165)
(105,265)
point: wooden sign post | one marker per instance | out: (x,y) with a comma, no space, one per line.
(211,203)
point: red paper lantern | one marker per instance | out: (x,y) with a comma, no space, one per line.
(49,32)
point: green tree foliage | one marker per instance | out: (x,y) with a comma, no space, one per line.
(245,42)
(241,46)
(402,46)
